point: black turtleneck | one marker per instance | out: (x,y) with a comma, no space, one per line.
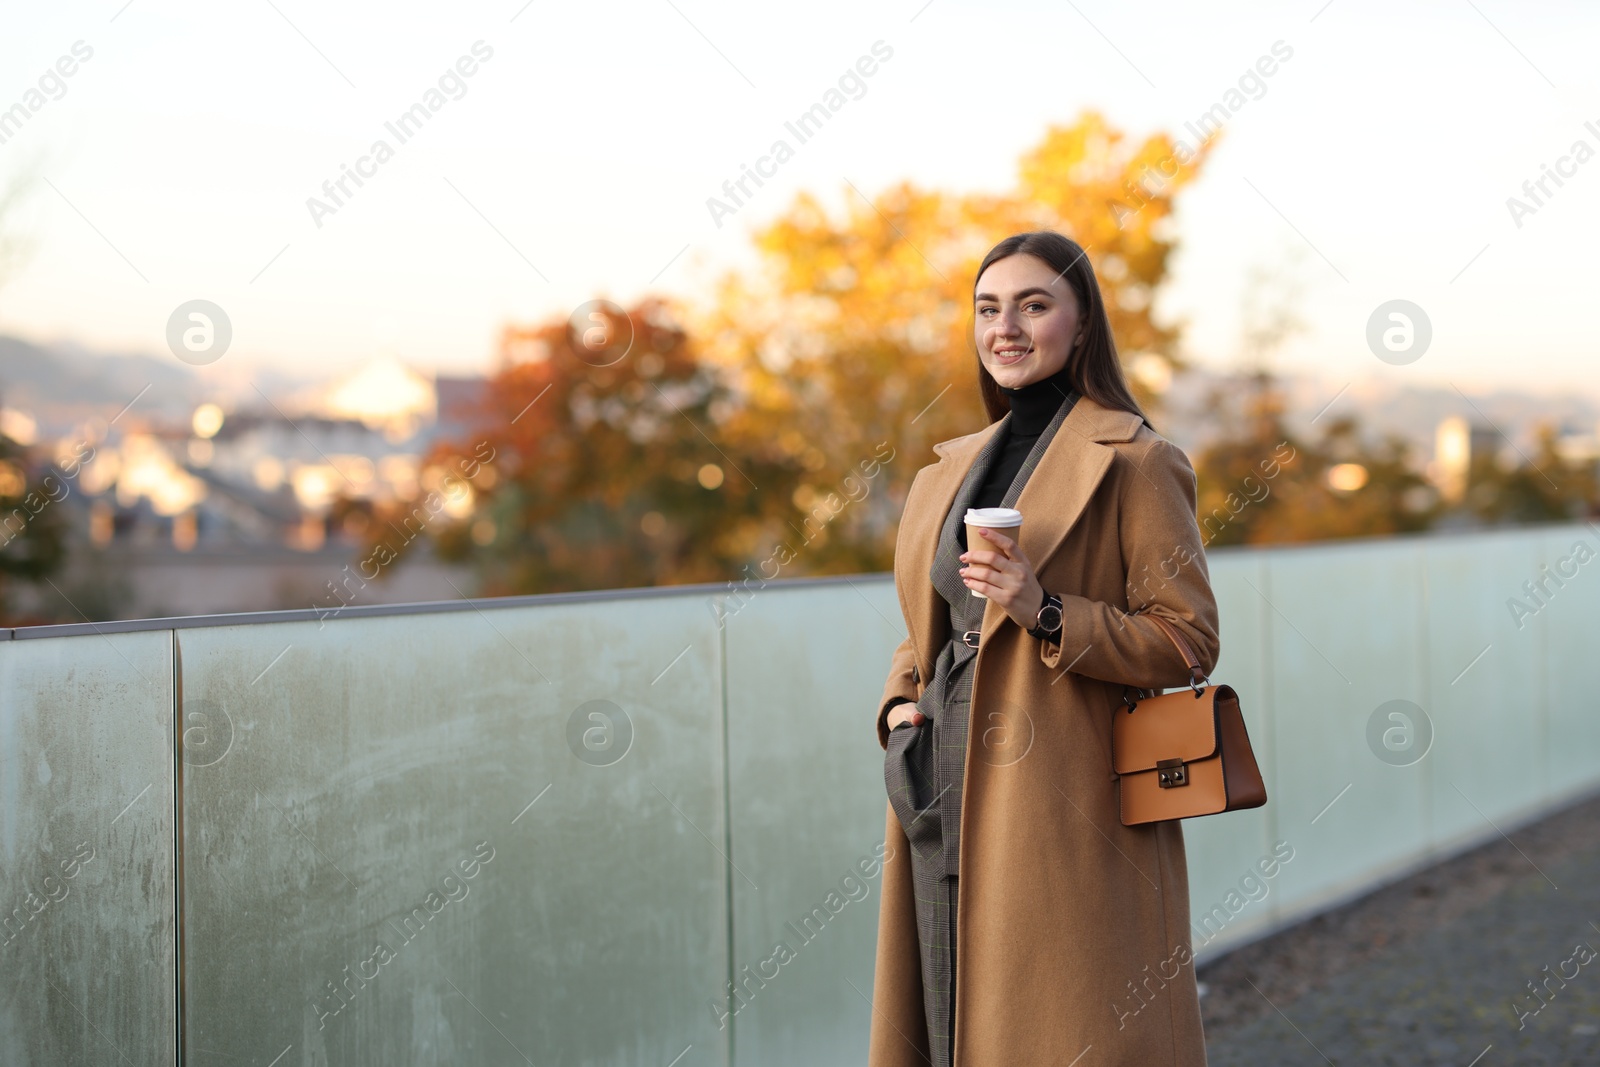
(1032,408)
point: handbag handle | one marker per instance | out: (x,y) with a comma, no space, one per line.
(1190,660)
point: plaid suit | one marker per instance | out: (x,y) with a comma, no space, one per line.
(924,765)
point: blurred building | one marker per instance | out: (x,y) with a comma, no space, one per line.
(1578,446)
(459,406)
(1457,443)
(254,509)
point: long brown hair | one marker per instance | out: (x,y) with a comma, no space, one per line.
(1093,366)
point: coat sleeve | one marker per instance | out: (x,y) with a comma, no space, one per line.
(900,688)
(1166,576)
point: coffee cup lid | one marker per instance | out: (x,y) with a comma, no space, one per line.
(992,517)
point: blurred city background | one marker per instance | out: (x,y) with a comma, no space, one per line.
(717,370)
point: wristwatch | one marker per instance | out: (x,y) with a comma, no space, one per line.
(1049,621)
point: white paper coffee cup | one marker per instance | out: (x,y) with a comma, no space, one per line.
(1005,520)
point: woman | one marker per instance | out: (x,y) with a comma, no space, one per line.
(1009,856)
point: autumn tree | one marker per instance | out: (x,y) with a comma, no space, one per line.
(32,523)
(1261,484)
(1547,486)
(855,335)
(609,466)
(777,429)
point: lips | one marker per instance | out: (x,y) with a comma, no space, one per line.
(1012,356)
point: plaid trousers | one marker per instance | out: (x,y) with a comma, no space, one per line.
(933,889)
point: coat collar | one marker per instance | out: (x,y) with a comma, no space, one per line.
(1087,420)
(1051,502)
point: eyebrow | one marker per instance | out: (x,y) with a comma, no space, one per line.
(1035,291)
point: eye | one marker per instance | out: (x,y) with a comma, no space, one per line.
(1035,304)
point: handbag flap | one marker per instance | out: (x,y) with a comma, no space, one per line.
(1175,725)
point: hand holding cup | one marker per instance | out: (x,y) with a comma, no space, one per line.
(1001,571)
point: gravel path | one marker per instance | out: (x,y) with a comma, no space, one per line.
(1434,969)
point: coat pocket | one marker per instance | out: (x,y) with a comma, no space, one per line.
(908,778)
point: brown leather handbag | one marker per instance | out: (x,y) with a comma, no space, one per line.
(1186,753)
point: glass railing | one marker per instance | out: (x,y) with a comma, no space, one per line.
(576,829)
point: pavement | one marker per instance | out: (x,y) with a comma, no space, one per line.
(1434,969)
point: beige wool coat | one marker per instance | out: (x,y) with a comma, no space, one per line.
(1073,942)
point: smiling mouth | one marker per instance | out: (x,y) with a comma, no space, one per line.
(1011,356)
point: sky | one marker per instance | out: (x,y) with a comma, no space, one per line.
(1374,164)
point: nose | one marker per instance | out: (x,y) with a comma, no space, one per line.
(1007,325)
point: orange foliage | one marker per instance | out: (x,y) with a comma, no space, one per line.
(809,392)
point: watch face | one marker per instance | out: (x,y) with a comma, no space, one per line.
(1049,617)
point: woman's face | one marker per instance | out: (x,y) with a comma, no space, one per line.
(1025,320)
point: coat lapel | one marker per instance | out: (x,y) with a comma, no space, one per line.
(943,570)
(918,543)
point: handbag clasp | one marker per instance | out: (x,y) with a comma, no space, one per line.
(1171,773)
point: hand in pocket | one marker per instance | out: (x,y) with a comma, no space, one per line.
(902,714)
